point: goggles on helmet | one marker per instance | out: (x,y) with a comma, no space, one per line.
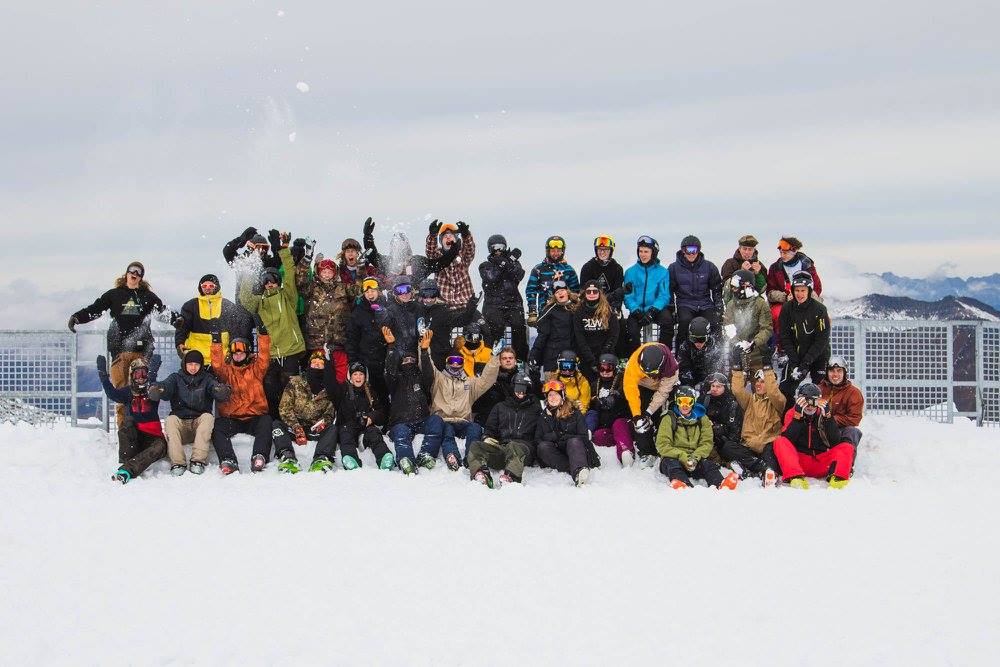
(685,401)
(455,360)
(604,242)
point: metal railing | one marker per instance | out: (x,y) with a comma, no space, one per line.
(941,370)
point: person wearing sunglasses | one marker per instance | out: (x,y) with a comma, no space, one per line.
(503,306)
(804,332)
(650,375)
(606,270)
(700,354)
(745,258)
(596,327)
(555,328)
(746,324)
(543,278)
(141,442)
(453,278)
(763,407)
(563,440)
(790,261)
(508,442)
(365,343)
(647,296)
(409,386)
(452,394)
(811,445)
(696,287)
(209,313)
(608,415)
(328,301)
(684,441)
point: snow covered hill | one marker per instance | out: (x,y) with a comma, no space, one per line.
(370,567)
(882,307)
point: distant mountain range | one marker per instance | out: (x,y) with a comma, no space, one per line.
(882,307)
(986,289)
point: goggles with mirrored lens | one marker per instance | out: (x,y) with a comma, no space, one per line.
(238,346)
(405,288)
(208,286)
(685,401)
(567,365)
(455,360)
(691,249)
(135,272)
(553,385)
(555,243)
(646,240)
(604,242)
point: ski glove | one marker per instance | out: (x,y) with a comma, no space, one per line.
(318,427)
(274,237)
(729,330)
(73,321)
(690,464)
(515,254)
(369,228)
(248,233)
(463,228)
(498,346)
(155,392)
(434,227)
(222,392)
(627,288)
(797,373)
(300,435)
(102,364)
(642,424)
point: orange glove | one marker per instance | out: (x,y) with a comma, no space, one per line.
(387,335)
(425,342)
(300,435)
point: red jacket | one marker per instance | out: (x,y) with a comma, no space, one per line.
(777,279)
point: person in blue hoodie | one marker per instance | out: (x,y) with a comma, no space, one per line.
(545,274)
(141,442)
(696,287)
(647,295)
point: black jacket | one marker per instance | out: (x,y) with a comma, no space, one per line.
(501,390)
(589,340)
(130,311)
(352,403)
(608,400)
(364,334)
(409,389)
(805,332)
(402,320)
(812,435)
(696,365)
(552,429)
(726,416)
(441,318)
(555,334)
(190,395)
(501,277)
(514,419)
(611,277)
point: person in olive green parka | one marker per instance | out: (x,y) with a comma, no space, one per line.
(684,440)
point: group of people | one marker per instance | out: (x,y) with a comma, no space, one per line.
(717,375)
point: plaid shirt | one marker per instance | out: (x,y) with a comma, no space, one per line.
(453,280)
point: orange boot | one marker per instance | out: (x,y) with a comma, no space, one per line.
(730,482)
(678,484)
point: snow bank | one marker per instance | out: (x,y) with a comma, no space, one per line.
(371,567)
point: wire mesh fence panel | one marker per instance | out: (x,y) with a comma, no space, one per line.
(37,367)
(929,401)
(903,351)
(989,374)
(843,340)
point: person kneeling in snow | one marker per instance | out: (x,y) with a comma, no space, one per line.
(191,392)
(509,437)
(563,441)
(684,440)
(140,436)
(306,403)
(811,444)
(360,416)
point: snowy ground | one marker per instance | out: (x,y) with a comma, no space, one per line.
(371,567)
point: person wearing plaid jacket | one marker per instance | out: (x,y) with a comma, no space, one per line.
(450,250)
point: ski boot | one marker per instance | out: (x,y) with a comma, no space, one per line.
(799,483)
(322,464)
(628,458)
(647,461)
(424,460)
(837,482)
(406,465)
(507,478)
(197,467)
(388,462)
(121,475)
(178,469)
(582,477)
(349,462)
(730,482)
(485,478)
(678,484)
(288,464)
(257,463)
(451,460)
(228,467)
(769,479)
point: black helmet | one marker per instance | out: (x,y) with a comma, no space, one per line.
(566,362)
(607,361)
(521,382)
(270,275)
(555,242)
(651,359)
(605,241)
(743,284)
(699,330)
(429,289)
(647,242)
(808,391)
(691,240)
(802,279)
(497,242)
(717,377)
(473,333)
(689,392)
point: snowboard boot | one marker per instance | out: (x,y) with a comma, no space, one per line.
(678,484)
(228,467)
(582,477)
(322,464)
(485,478)
(837,482)
(406,465)
(178,469)
(388,462)
(769,479)
(452,462)
(628,458)
(121,475)
(799,483)
(730,482)
(257,463)
(349,462)
(647,461)
(424,460)
(197,467)
(288,464)
(738,469)
(508,478)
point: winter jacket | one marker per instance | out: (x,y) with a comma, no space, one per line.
(451,397)
(401,318)
(277,311)
(695,365)
(847,403)
(353,403)
(501,277)
(681,437)
(514,419)
(130,311)
(555,334)
(328,309)
(501,390)
(696,285)
(354,278)
(364,333)
(454,281)
(805,332)
(143,410)
(474,361)
(409,388)
(726,416)
(207,314)
(752,318)
(247,398)
(610,276)
(442,318)
(539,288)
(608,400)
(551,428)
(779,286)
(590,340)
(811,434)
(662,384)
(735,263)
(650,286)
(761,414)
(577,388)
(299,406)
(190,396)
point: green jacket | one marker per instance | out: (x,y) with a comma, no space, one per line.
(278,310)
(685,437)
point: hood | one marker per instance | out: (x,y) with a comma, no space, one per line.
(697,413)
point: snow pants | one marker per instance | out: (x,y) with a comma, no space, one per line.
(278,373)
(283,447)
(197,431)
(752,464)
(226,427)
(509,456)
(705,470)
(439,436)
(618,436)
(347,436)
(402,438)
(137,450)
(499,319)
(569,456)
(836,460)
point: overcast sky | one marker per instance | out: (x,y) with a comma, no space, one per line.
(157,131)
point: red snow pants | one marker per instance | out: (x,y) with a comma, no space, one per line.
(797,464)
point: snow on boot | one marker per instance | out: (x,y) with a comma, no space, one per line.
(322,464)
(197,467)
(485,478)
(178,469)
(406,465)
(424,460)
(678,484)
(507,478)
(289,465)
(837,482)
(453,463)
(349,462)
(628,458)
(121,475)
(388,462)
(738,469)
(799,483)
(769,479)
(730,482)
(228,467)
(583,476)
(647,461)
(257,463)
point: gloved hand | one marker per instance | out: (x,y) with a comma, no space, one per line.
(491,441)
(285,238)
(434,227)
(73,321)
(369,229)
(425,340)
(261,329)
(744,345)
(299,434)
(318,427)
(463,228)
(532,366)
(729,331)
(155,392)
(645,319)
(654,315)
(102,364)
(532,320)
(800,405)
(497,346)
(216,337)
(387,335)
(515,254)
(298,249)
(797,373)
(274,238)
(222,393)
(308,248)
(627,288)
(690,464)
(642,423)
(248,233)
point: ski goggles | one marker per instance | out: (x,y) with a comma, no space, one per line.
(691,249)
(698,339)
(555,243)
(369,283)
(238,347)
(134,271)
(604,242)
(605,369)
(208,287)
(685,401)
(140,375)
(455,360)
(521,388)
(566,366)
(405,288)
(498,247)
(645,240)
(553,385)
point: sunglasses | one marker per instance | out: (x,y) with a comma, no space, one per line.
(402,289)
(134,272)
(685,401)
(591,290)
(556,243)
(691,249)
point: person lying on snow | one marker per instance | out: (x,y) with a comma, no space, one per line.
(684,441)
(810,445)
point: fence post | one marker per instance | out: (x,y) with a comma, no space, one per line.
(980,374)
(72,379)
(860,352)
(950,368)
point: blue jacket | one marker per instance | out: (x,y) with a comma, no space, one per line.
(698,285)
(539,287)
(650,287)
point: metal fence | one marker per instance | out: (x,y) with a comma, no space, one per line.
(915,367)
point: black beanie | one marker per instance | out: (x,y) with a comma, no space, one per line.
(194,357)
(691,240)
(209,277)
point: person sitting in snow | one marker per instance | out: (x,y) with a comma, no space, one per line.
(724,411)
(650,375)
(365,344)
(684,441)
(845,402)
(453,279)
(508,441)
(607,419)
(575,385)
(561,434)
(501,390)
(307,413)
(409,386)
(192,392)
(140,437)
(700,354)
(810,444)
(762,408)
(360,417)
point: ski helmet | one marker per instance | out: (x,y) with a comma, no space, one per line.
(473,333)
(240,345)
(648,242)
(717,377)
(743,284)
(521,383)
(556,242)
(607,362)
(699,330)
(429,289)
(651,359)
(605,241)
(837,362)
(270,275)
(808,391)
(685,395)
(691,241)
(554,385)
(209,284)
(802,279)
(497,243)
(566,362)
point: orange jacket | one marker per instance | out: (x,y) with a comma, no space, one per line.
(847,403)
(248,399)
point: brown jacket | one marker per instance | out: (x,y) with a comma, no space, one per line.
(847,403)
(452,399)
(761,414)
(248,399)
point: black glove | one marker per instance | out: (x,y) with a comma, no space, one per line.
(176,319)
(515,254)
(298,250)
(274,238)
(102,364)
(261,329)
(434,227)
(222,393)
(73,321)
(216,337)
(463,228)
(654,314)
(627,288)
(472,302)
(155,392)
(369,228)
(248,233)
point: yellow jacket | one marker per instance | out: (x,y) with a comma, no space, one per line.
(635,378)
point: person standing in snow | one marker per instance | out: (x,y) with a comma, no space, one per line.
(779,276)
(696,287)
(546,275)
(207,314)
(501,274)
(804,328)
(608,415)
(647,295)
(745,259)
(810,444)
(508,438)
(140,437)
(453,279)
(606,270)
(684,441)
(561,434)
(328,309)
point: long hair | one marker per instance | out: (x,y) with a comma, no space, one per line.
(571,305)
(120,281)
(603,309)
